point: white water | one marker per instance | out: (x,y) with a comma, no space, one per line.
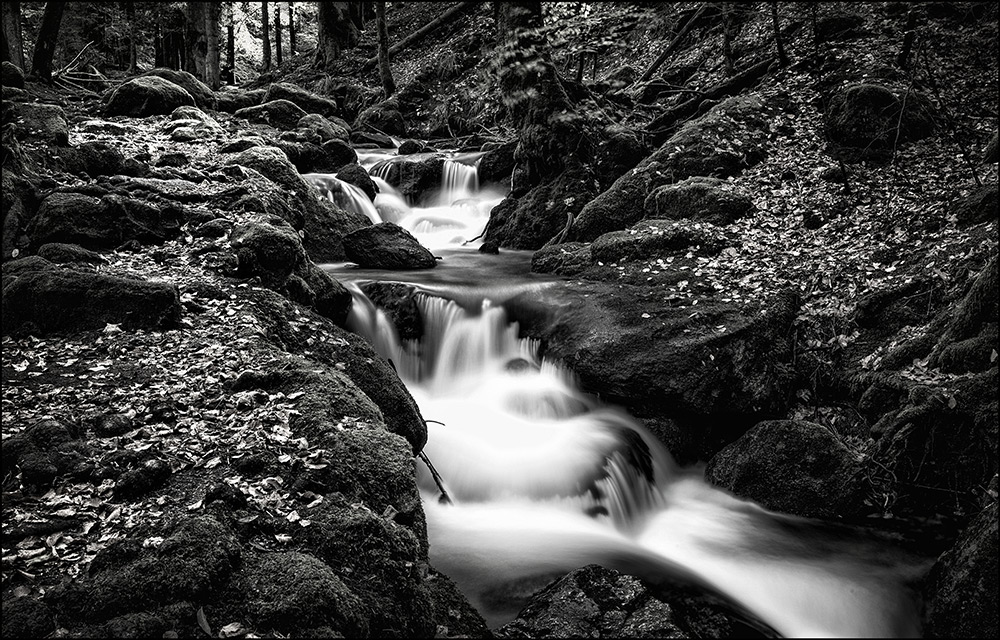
(544,479)
(343,194)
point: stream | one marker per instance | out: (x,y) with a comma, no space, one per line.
(544,479)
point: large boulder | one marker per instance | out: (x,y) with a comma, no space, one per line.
(59,253)
(698,198)
(415,179)
(44,298)
(867,119)
(37,122)
(204,97)
(274,165)
(528,222)
(103,223)
(280,114)
(383,117)
(12,75)
(18,208)
(147,96)
(232,99)
(649,239)
(717,368)
(702,147)
(961,589)
(98,158)
(496,166)
(792,466)
(356,175)
(313,124)
(308,101)
(387,246)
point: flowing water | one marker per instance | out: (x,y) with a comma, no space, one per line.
(544,479)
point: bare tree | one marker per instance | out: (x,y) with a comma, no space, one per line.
(727,38)
(778,41)
(13,41)
(291,29)
(131,46)
(384,70)
(277,32)
(903,59)
(212,17)
(265,22)
(45,45)
(336,32)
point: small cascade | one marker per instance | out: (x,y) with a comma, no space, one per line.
(458,182)
(545,479)
(343,194)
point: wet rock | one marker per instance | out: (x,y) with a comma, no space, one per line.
(204,97)
(792,466)
(97,158)
(387,246)
(188,560)
(26,617)
(566,259)
(372,139)
(325,228)
(104,223)
(409,147)
(528,222)
(864,118)
(37,122)
(699,148)
(399,302)
(46,300)
(620,150)
(703,199)
(314,124)
(59,253)
(146,96)
(497,165)
(961,589)
(658,238)
(307,157)
(977,207)
(232,99)
(415,179)
(356,175)
(280,114)
(339,152)
(103,126)
(268,249)
(383,118)
(309,102)
(12,75)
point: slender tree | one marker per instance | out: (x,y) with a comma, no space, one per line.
(903,58)
(357,12)
(336,32)
(265,22)
(213,15)
(778,40)
(230,45)
(45,45)
(196,38)
(277,32)
(727,38)
(291,29)
(384,70)
(132,46)
(13,41)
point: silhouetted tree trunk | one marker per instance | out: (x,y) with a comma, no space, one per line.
(782,56)
(265,22)
(230,46)
(291,28)
(357,12)
(45,45)
(132,46)
(336,32)
(212,17)
(13,41)
(197,38)
(727,38)
(277,32)
(903,59)
(384,70)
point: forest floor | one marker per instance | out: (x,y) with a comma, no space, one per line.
(888,225)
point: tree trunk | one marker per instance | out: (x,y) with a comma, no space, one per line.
(133,47)
(357,13)
(196,38)
(782,56)
(384,70)
(660,59)
(277,33)
(442,19)
(158,58)
(903,59)
(231,47)
(727,38)
(265,22)
(212,19)
(291,29)
(13,40)
(45,46)
(336,32)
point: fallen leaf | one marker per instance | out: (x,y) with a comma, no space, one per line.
(203,622)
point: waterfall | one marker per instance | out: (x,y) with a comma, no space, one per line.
(544,478)
(344,194)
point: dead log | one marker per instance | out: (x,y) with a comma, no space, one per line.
(442,19)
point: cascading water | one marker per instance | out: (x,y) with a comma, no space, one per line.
(545,479)
(343,194)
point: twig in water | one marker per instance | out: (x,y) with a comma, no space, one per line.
(444,499)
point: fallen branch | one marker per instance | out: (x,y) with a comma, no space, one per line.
(444,499)
(74,60)
(660,59)
(422,31)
